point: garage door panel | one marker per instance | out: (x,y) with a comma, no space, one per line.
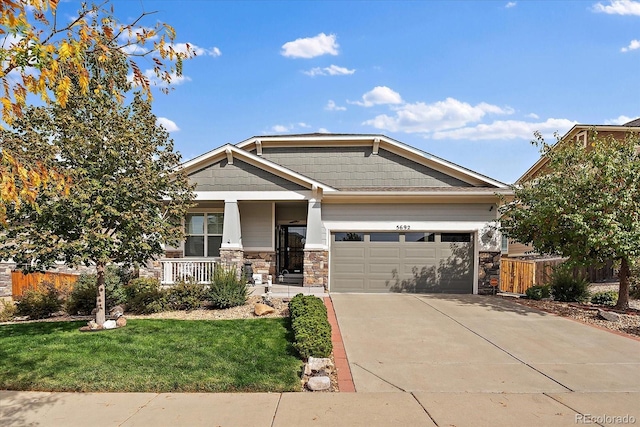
(384,252)
(417,267)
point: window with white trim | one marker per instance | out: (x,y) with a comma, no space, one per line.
(204,234)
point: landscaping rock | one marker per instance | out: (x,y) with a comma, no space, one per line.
(109,324)
(317,364)
(121,322)
(609,315)
(319,383)
(262,309)
(117,311)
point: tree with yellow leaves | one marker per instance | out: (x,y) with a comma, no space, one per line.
(39,55)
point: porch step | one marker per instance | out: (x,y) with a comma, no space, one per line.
(289,291)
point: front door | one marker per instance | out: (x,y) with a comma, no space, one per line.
(290,248)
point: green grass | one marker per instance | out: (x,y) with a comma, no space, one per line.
(151,356)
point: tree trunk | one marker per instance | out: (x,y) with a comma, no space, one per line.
(100,297)
(623,291)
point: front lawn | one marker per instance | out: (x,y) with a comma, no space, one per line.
(150,356)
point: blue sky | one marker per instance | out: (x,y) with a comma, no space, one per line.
(468,81)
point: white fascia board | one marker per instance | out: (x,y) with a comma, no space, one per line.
(257,161)
(253,195)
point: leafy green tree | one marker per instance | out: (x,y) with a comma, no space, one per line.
(585,205)
(128,195)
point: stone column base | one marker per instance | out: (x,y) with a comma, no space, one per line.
(488,268)
(232,257)
(316,268)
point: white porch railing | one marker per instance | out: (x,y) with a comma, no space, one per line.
(175,270)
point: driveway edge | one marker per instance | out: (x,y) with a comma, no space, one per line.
(345,380)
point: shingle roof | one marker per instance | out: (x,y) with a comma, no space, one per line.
(633,123)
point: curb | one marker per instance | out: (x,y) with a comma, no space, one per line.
(345,380)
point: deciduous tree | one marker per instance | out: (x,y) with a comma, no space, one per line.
(128,196)
(44,54)
(585,205)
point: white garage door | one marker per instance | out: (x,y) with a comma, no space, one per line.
(416,262)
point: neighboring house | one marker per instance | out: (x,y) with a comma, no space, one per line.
(579,134)
(352,213)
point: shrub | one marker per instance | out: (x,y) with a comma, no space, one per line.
(145,296)
(311,328)
(82,299)
(227,290)
(8,310)
(567,288)
(538,292)
(40,302)
(186,296)
(605,298)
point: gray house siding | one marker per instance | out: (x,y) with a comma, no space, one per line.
(239,176)
(353,167)
(256,219)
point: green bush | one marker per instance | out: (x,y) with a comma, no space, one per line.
(40,302)
(8,310)
(186,296)
(605,298)
(567,288)
(145,295)
(538,292)
(82,299)
(311,328)
(226,289)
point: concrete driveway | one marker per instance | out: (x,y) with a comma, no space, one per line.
(471,359)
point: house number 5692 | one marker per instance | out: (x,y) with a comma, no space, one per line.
(403,227)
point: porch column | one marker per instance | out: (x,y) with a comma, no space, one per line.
(231,232)
(314,226)
(316,256)
(231,251)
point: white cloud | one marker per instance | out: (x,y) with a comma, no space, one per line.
(379,95)
(533,116)
(332,70)
(311,47)
(620,120)
(169,125)
(635,44)
(506,129)
(323,130)
(332,106)
(280,128)
(303,125)
(420,117)
(510,4)
(618,7)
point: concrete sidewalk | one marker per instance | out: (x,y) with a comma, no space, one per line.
(320,409)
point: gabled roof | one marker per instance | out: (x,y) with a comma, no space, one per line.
(231,151)
(632,126)
(376,141)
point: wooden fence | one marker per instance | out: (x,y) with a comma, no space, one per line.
(518,275)
(21,282)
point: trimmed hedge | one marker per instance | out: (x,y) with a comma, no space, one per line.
(311,328)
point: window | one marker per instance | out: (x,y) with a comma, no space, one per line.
(455,237)
(204,234)
(384,237)
(505,244)
(419,237)
(349,237)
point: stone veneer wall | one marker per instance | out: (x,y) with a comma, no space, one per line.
(232,257)
(262,263)
(489,267)
(316,268)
